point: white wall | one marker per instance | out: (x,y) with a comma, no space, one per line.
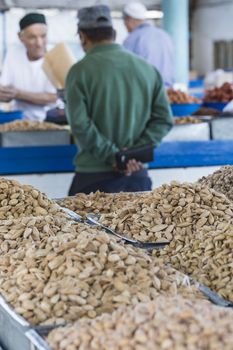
(210,24)
(57,185)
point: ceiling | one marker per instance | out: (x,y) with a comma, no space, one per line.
(114,4)
(70,4)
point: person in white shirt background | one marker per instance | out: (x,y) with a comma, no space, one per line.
(23,81)
(151,43)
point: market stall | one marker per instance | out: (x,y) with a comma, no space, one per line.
(196,141)
(57,269)
(104,271)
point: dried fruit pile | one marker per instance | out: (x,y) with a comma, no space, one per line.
(53,270)
(166,323)
(221,180)
(197,220)
(178,96)
(206,111)
(18,200)
(28,125)
(221,94)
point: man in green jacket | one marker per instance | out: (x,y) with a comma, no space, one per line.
(115,101)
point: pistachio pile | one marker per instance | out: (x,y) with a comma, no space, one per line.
(166,323)
(18,200)
(196,219)
(28,125)
(221,180)
(53,270)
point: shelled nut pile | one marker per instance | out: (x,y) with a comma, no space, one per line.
(187,120)
(221,180)
(53,270)
(199,223)
(18,200)
(163,212)
(178,96)
(28,125)
(99,202)
(18,235)
(166,323)
(208,258)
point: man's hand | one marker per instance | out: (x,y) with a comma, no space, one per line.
(133,166)
(7,93)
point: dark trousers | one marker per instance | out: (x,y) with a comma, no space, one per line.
(110,182)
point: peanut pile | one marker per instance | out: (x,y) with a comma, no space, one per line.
(166,323)
(28,125)
(53,270)
(18,200)
(221,180)
(197,220)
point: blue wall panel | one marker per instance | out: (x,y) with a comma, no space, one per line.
(24,160)
(193,153)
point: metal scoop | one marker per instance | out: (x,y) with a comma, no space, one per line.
(93,218)
(72,214)
(213,296)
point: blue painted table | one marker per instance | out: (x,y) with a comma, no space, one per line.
(55,159)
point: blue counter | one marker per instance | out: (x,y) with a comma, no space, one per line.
(46,159)
(55,159)
(193,153)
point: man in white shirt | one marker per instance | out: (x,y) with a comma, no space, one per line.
(23,81)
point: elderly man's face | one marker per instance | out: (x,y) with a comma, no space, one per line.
(129,23)
(34,38)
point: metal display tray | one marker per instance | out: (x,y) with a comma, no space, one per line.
(16,333)
(36,341)
(188,132)
(34,138)
(222,128)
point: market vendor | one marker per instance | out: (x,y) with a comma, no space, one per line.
(115,100)
(23,81)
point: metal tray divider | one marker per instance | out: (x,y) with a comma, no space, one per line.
(37,342)
(12,328)
(214,297)
(17,333)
